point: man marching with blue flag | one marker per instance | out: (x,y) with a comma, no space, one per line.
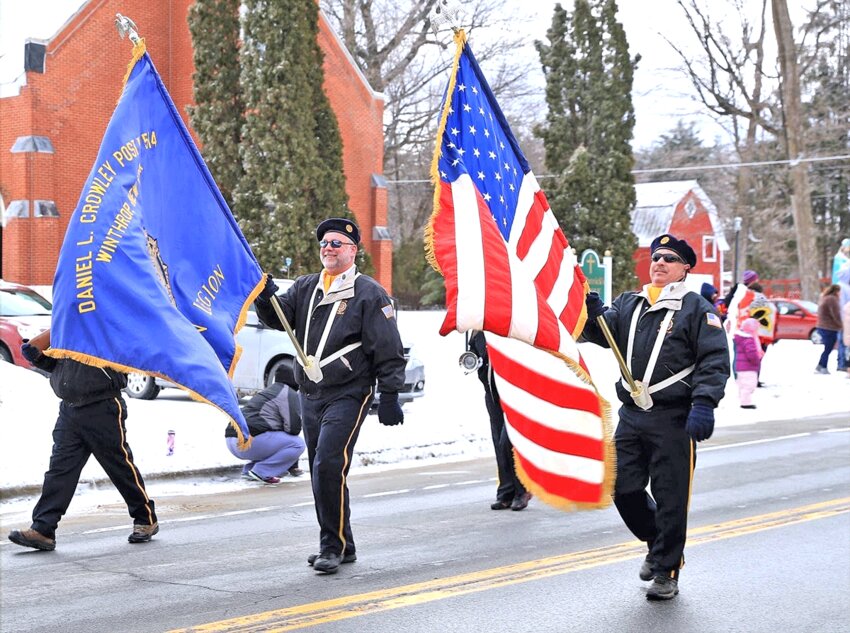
(154,276)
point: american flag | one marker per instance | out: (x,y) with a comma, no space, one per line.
(509,270)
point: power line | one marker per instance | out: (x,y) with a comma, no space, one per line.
(791,161)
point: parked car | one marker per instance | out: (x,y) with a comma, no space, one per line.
(264,350)
(796,319)
(23,314)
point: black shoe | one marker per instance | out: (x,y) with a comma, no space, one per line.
(748,406)
(521,502)
(32,538)
(327,563)
(295,471)
(646,568)
(760,384)
(500,505)
(348,558)
(662,588)
(143,533)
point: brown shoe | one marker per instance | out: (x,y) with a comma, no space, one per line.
(31,538)
(520,502)
(143,533)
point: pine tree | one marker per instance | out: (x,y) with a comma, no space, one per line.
(291,150)
(588,131)
(217,119)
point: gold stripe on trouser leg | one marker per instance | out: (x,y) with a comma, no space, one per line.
(360,417)
(130,463)
(692,445)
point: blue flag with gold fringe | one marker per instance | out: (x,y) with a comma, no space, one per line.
(154,275)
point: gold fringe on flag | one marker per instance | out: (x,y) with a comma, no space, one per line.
(460,40)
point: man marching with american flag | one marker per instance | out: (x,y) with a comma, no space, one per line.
(509,271)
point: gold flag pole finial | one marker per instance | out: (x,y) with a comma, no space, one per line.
(126,27)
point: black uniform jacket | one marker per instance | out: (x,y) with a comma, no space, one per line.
(78,384)
(694,337)
(275,408)
(364,313)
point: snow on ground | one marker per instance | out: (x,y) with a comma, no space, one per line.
(448,423)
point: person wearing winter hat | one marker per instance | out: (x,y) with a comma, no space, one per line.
(345,323)
(748,355)
(675,344)
(709,292)
(750,277)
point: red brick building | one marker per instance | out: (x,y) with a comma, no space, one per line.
(681,208)
(50,132)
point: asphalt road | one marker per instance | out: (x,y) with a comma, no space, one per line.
(768,550)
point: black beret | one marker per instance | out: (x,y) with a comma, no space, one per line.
(680,247)
(340,225)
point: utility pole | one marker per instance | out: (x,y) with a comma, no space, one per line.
(737,226)
(801,205)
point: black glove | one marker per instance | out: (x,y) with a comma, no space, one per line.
(389,410)
(270,290)
(700,424)
(30,352)
(595,307)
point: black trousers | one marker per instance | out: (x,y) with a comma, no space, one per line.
(96,429)
(509,484)
(653,447)
(331,426)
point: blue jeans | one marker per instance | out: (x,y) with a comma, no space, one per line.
(842,354)
(828,337)
(271,454)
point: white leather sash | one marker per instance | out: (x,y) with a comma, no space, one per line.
(653,357)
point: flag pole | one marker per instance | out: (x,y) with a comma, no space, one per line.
(311,367)
(638,391)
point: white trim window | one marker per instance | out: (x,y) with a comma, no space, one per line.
(709,248)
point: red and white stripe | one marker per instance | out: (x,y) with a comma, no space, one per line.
(529,288)
(555,421)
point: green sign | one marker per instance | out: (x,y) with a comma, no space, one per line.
(592,268)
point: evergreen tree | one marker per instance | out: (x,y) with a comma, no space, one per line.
(409,268)
(588,131)
(217,119)
(291,150)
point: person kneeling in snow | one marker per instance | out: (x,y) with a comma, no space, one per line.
(274,421)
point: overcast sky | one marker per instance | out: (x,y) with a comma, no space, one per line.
(661,94)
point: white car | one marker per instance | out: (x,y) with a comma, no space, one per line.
(264,349)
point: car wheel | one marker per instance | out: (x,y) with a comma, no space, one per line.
(283,361)
(814,337)
(5,355)
(141,386)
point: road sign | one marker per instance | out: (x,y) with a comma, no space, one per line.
(598,273)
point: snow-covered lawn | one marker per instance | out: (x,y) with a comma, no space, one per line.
(449,422)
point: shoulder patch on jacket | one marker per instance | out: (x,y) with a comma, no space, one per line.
(388,311)
(712,319)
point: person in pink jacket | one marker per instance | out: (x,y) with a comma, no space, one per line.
(748,355)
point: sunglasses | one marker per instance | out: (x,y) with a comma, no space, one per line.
(667,257)
(335,243)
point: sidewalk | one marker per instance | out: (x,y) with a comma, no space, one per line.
(448,423)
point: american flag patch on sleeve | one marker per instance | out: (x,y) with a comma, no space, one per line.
(713,319)
(388,311)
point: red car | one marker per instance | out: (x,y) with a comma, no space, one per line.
(796,319)
(23,314)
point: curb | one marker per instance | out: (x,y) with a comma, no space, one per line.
(35,489)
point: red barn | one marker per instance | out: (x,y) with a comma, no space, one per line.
(682,208)
(50,132)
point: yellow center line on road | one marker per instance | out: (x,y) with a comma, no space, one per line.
(314,613)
